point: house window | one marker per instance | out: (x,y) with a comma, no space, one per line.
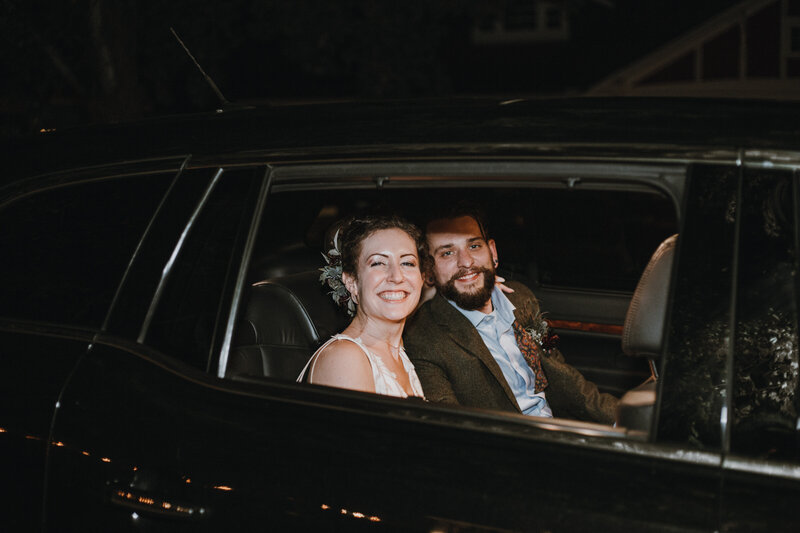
(764,42)
(554,18)
(791,40)
(793,67)
(794,42)
(521,16)
(522,21)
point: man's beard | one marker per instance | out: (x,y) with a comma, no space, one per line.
(469,300)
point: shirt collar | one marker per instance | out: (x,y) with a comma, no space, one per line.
(503,309)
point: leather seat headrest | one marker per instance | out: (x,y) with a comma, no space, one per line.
(296,309)
(644,323)
(284,320)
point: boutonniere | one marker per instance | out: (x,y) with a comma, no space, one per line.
(537,327)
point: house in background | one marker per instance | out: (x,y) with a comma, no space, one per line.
(526,46)
(523,21)
(751,50)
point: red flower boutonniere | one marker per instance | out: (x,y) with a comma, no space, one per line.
(536,326)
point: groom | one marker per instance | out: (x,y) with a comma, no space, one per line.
(474,345)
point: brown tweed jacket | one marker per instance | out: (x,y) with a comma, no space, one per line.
(456,367)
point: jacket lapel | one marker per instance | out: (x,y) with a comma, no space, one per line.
(463,333)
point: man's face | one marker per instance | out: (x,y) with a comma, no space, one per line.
(463,261)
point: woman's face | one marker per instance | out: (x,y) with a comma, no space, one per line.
(389,279)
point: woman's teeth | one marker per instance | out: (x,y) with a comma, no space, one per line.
(393,295)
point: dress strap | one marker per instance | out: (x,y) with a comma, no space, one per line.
(311,360)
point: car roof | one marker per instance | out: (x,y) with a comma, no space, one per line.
(661,127)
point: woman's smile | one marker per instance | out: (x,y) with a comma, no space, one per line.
(393,296)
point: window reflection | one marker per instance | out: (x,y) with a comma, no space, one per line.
(693,373)
(765,348)
(352,514)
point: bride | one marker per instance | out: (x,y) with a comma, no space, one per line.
(374,272)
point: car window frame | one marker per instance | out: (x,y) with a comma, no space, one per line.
(134,324)
(219,358)
(666,178)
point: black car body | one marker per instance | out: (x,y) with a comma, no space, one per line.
(132,257)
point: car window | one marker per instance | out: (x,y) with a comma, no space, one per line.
(64,250)
(133,301)
(298,225)
(198,287)
(766,379)
(693,371)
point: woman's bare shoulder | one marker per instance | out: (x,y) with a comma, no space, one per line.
(345,350)
(344,364)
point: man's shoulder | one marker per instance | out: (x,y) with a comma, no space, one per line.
(432,320)
(421,320)
(423,334)
(521,292)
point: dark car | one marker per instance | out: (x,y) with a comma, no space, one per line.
(160,294)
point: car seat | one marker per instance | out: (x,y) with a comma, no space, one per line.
(643,334)
(284,320)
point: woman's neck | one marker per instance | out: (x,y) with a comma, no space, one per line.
(378,333)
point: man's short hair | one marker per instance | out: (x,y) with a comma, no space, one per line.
(462,208)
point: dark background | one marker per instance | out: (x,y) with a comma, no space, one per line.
(68,62)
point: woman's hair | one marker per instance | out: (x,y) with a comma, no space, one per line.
(354,230)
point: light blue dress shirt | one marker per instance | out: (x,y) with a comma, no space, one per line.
(497,331)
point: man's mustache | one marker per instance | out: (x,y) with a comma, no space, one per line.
(466,271)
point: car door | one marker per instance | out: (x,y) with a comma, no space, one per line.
(65,242)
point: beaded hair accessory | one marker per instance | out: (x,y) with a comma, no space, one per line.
(331,274)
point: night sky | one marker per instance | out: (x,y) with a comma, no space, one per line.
(70,62)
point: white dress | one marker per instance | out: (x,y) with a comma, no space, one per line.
(385,380)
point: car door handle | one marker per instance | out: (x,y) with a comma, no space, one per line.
(144,502)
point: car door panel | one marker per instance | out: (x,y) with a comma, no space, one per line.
(760,495)
(33,370)
(136,435)
(589,328)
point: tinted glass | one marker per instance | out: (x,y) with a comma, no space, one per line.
(197,290)
(64,250)
(765,400)
(143,278)
(693,373)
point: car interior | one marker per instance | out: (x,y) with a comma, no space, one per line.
(599,260)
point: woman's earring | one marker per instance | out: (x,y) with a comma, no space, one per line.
(496,262)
